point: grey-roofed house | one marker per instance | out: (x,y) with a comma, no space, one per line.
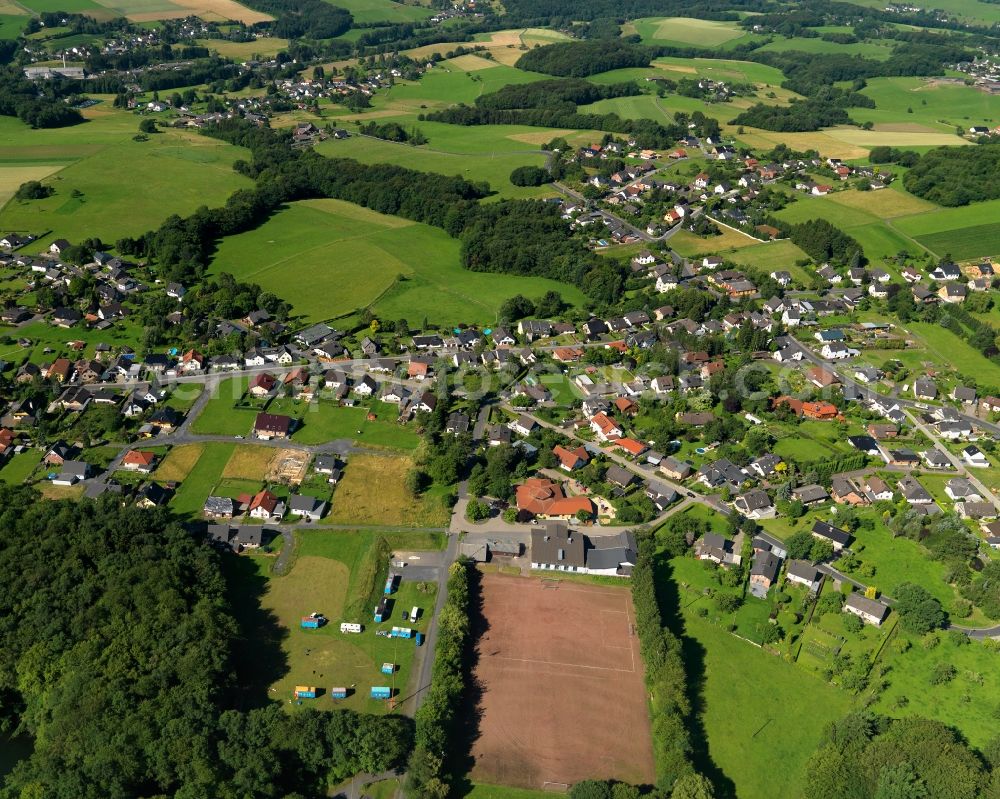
(611,555)
(718,549)
(555,547)
(763,573)
(620,476)
(810,494)
(870,611)
(755,504)
(827,532)
(218,508)
(804,573)
(307,507)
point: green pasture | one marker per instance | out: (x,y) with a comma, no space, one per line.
(329,258)
(866,49)
(366,11)
(687,31)
(971,10)
(125,187)
(968,702)
(966,243)
(736,677)
(494,167)
(949,350)
(935,104)
(11,25)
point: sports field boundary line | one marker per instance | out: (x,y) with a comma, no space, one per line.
(533,661)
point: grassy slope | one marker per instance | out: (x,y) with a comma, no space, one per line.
(127,187)
(328,258)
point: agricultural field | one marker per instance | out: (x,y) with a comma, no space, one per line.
(686,31)
(938,104)
(970,10)
(330,258)
(264,47)
(867,49)
(688,244)
(372,491)
(178,463)
(88,165)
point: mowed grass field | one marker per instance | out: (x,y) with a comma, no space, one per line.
(219,417)
(201,478)
(687,31)
(126,187)
(265,47)
(372,491)
(939,104)
(965,233)
(329,258)
(152,10)
(365,11)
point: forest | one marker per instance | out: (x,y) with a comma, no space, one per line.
(117,659)
(40,109)
(580,59)
(867,756)
(955,176)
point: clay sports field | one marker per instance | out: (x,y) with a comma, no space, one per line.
(562,694)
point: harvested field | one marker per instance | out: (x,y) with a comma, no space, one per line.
(473,63)
(179,462)
(249,462)
(562,695)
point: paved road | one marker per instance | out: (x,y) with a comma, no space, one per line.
(617,220)
(984,492)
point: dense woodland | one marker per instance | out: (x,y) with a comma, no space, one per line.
(579,59)
(956,175)
(116,656)
(865,756)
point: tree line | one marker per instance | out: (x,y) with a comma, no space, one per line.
(117,659)
(436,740)
(36,104)
(666,679)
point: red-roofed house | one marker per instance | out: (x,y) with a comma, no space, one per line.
(138,460)
(605,428)
(570,459)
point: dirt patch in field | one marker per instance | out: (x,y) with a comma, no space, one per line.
(561,685)
(179,462)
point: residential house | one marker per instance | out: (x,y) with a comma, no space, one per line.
(137,460)
(755,504)
(763,573)
(870,611)
(810,494)
(266,506)
(269,426)
(717,549)
(827,532)
(974,457)
(306,507)
(802,572)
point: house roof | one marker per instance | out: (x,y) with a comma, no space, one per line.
(556,544)
(870,607)
(828,531)
(272,423)
(139,457)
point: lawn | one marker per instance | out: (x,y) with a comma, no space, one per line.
(201,479)
(178,170)
(323,421)
(739,681)
(219,417)
(949,350)
(688,244)
(447,153)
(372,491)
(20,467)
(329,258)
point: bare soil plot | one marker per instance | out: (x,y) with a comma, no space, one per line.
(562,694)
(289,466)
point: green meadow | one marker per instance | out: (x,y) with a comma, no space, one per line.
(109,186)
(687,31)
(329,258)
(367,11)
(934,104)
(868,49)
